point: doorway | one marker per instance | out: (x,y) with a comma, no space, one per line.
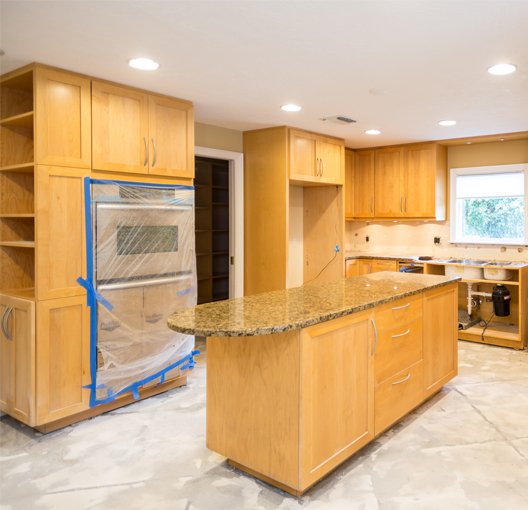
(219,224)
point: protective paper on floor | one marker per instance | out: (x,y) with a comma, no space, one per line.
(144,265)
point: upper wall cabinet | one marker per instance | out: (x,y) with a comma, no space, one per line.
(63,119)
(140,133)
(120,129)
(363,182)
(316,159)
(407,182)
(171,132)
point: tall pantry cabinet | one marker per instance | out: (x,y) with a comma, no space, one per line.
(47,139)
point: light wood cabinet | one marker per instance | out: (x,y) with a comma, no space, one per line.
(368,266)
(440,337)
(63,358)
(17,358)
(364,184)
(315,158)
(351,268)
(271,157)
(349,183)
(171,137)
(388,173)
(337,397)
(408,182)
(120,129)
(63,119)
(61,238)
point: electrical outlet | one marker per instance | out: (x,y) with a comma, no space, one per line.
(368,239)
(438,240)
(294,241)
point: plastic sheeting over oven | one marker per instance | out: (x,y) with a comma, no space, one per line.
(143,268)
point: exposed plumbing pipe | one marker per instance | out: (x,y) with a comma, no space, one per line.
(472,293)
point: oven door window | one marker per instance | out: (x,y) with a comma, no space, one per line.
(147,239)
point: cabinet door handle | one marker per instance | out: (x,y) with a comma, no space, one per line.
(322,167)
(405,204)
(399,382)
(154,158)
(403,334)
(3,317)
(317,167)
(146,151)
(7,325)
(400,307)
(370,268)
(375,337)
(371,202)
(401,200)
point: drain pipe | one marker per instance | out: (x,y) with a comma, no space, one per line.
(472,293)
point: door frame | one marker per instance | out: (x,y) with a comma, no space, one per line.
(236,214)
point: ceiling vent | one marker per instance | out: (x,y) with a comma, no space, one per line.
(339,119)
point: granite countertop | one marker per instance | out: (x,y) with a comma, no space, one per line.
(351,255)
(300,307)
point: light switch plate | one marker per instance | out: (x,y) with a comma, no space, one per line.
(294,241)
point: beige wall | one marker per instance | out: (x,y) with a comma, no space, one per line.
(295,230)
(416,238)
(214,137)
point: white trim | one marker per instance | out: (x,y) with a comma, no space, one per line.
(495,169)
(236,214)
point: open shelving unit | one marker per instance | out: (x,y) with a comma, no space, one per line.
(17,186)
(510,331)
(212,229)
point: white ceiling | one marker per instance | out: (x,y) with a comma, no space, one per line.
(238,61)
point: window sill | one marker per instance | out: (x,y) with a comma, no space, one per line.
(489,243)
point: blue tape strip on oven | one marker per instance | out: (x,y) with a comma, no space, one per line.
(92,296)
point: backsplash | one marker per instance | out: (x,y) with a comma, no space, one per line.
(416,238)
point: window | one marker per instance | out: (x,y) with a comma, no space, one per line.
(488,205)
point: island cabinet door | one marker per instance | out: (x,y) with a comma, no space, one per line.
(440,337)
(337,393)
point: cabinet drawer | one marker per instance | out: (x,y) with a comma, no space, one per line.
(397,313)
(384,265)
(396,349)
(397,396)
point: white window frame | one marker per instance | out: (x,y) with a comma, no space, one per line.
(497,169)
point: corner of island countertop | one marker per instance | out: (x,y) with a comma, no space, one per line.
(301,307)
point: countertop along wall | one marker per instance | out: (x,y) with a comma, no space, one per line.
(416,237)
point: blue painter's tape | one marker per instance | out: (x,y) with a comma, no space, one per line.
(135,391)
(142,184)
(186,291)
(337,249)
(88,285)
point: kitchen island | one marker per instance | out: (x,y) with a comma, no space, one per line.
(299,380)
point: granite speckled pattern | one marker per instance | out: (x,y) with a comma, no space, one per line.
(300,307)
(408,258)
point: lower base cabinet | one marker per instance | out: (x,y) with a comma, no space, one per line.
(17,358)
(297,404)
(63,358)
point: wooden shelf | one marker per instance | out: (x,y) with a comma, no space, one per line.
(496,330)
(20,293)
(220,203)
(220,187)
(18,244)
(220,253)
(22,81)
(25,120)
(202,253)
(17,215)
(26,167)
(505,282)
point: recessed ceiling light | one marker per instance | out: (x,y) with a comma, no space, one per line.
(372,132)
(145,64)
(447,122)
(290,107)
(500,69)
(469,143)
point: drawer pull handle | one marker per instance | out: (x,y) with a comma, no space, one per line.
(406,379)
(146,151)
(7,325)
(403,334)
(375,337)
(400,307)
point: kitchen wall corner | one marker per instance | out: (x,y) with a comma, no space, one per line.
(215,137)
